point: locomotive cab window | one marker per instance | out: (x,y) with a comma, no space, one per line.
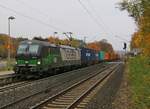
(33,49)
(22,49)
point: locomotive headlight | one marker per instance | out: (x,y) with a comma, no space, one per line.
(38,62)
(26,62)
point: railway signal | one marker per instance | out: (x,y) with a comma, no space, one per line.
(125,46)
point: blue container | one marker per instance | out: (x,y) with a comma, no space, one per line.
(88,56)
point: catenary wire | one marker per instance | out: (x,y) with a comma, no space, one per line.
(97,22)
(31,18)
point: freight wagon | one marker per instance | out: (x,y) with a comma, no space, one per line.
(101,56)
(88,56)
(107,56)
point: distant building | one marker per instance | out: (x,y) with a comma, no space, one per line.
(135,51)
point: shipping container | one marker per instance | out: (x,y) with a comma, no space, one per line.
(97,56)
(115,56)
(88,56)
(101,55)
(107,56)
(112,56)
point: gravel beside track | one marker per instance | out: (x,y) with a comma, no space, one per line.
(13,86)
(26,95)
(8,79)
(105,96)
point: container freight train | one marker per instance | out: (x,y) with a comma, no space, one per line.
(38,58)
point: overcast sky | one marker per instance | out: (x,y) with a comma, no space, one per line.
(43,17)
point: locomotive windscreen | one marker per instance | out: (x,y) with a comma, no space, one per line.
(28,49)
(22,49)
(33,49)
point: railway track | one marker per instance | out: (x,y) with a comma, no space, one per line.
(16,85)
(21,89)
(73,96)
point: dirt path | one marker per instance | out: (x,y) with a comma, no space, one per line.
(122,100)
(6,72)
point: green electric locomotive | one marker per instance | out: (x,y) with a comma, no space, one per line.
(38,58)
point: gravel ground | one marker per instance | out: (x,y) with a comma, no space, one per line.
(122,99)
(105,96)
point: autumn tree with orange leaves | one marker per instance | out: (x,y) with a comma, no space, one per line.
(136,40)
(4,46)
(101,45)
(94,45)
(140,11)
(14,42)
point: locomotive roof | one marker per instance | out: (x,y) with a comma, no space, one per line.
(64,46)
(37,42)
(45,44)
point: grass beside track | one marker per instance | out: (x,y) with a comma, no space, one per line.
(139,82)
